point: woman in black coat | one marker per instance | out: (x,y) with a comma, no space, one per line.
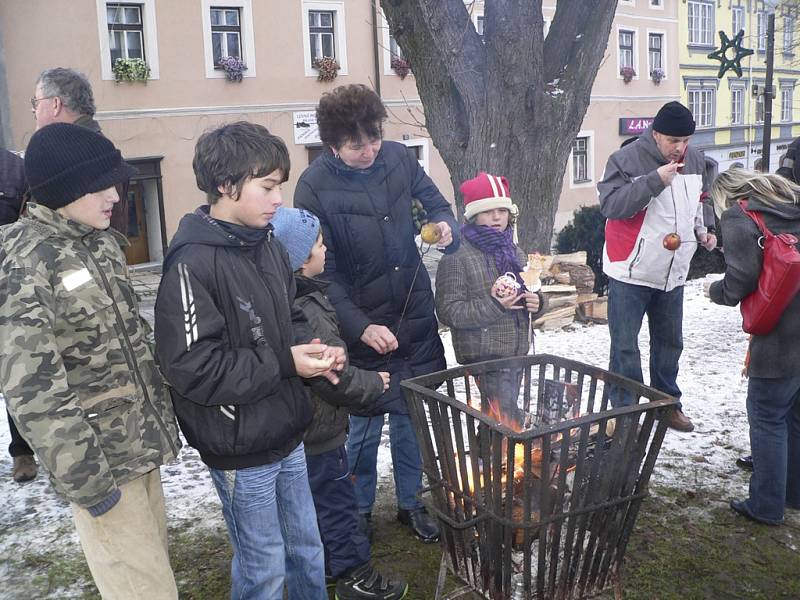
(773,393)
(361,188)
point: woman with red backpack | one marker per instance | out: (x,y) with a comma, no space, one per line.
(773,395)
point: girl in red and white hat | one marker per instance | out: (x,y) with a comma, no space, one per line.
(479,292)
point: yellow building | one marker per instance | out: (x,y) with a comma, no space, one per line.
(729,115)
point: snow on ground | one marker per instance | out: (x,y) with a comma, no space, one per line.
(34,519)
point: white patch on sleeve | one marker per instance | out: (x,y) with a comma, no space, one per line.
(76,279)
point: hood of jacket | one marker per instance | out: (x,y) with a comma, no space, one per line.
(786,212)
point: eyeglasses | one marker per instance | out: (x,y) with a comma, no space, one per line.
(35,101)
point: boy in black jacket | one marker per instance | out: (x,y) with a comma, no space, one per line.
(227,340)
(347,552)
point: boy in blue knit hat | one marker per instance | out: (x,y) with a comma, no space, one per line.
(347,552)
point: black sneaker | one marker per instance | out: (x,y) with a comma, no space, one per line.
(365,583)
(745,462)
(420,523)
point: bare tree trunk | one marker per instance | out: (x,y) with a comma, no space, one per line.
(512,103)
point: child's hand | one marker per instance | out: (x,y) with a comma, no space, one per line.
(508,302)
(531,301)
(385,378)
(309,362)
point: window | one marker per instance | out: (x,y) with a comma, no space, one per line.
(760,108)
(321,33)
(654,48)
(580,160)
(324,32)
(737,105)
(701,24)
(125,31)
(788,35)
(625,49)
(656,4)
(479,25)
(786,104)
(762,31)
(226,33)
(701,103)
(738,19)
(420,149)
(394,49)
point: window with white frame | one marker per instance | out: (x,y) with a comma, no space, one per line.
(479,23)
(324,32)
(760,108)
(762,31)
(394,49)
(656,3)
(786,104)
(701,23)
(701,104)
(125,31)
(655,44)
(420,148)
(580,160)
(737,105)
(738,19)
(788,34)
(625,49)
(226,32)
(321,33)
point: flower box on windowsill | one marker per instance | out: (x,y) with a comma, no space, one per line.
(657,75)
(400,66)
(130,69)
(233,66)
(327,68)
(628,73)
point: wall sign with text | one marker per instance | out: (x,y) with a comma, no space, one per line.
(634,125)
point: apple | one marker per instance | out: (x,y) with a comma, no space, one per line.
(672,241)
(430,233)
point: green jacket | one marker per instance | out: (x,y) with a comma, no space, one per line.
(77,369)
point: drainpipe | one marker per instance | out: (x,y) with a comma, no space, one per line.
(376,61)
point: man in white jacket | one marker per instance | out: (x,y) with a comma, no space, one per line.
(651,195)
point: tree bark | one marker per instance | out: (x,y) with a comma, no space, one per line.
(512,103)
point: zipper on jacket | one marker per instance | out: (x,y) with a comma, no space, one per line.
(130,353)
(635,257)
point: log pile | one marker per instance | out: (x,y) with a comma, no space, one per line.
(566,283)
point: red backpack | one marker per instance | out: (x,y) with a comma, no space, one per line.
(778,283)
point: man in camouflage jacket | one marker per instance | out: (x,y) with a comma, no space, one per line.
(77,369)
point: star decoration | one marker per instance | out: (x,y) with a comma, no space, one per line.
(734,44)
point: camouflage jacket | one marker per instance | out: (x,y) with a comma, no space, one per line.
(77,370)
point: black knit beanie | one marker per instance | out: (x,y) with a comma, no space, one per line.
(64,162)
(674,119)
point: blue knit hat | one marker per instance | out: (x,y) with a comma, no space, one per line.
(297,230)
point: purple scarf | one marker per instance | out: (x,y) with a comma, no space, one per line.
(497,244)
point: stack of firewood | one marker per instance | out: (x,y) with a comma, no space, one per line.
(567,284)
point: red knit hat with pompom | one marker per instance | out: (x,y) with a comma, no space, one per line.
(485,192)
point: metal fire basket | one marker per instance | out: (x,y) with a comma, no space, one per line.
(540,503)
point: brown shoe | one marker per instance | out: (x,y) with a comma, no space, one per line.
(679,422)
(24,468)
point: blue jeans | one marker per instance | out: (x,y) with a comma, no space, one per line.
(273,530)
(627,305)
(346,547)
(773,411)
(362,451)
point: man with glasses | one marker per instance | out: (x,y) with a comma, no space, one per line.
(65,96)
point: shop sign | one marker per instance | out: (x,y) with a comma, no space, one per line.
(634,125)
(736,154)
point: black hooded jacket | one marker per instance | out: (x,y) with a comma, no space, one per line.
(224,327)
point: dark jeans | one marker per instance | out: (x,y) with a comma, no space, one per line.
(18,446)
(773,411)
(627,305)
(337,512)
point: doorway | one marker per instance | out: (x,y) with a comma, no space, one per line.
(138,250)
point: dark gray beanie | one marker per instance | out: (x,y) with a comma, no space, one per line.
(674,119)
(64,162)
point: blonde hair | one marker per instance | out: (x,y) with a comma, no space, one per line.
(734,184)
